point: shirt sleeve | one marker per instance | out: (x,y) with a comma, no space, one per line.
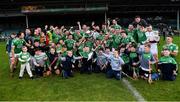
(121,60)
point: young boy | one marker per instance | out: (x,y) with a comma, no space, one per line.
(67,64)
(52,59)
(146,60)
(101,62)
(116,62)
(24,58)
(173,48)
(167,65)
(125,57)
(40,62)
(86,64)
(134,61)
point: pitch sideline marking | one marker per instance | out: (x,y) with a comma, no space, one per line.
(133,90)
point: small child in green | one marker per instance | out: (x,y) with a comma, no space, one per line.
(167,65)
(24,58)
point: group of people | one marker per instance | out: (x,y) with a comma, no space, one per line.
(118,52)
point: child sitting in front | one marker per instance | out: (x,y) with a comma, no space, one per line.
(52,59)
(24,58)
(86,63)
(67,63)
(116,62)
(102,62)
(40,62)
(167,65)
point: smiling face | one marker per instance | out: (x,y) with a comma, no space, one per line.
(84,27)
(36,43)
(146,48)
(70,37)
(52,50)
(115,53)
(138,19)
(166,52)
(169,40)
(24,49)
(123,35)
(130,27)
(107,51)
(149,28)
(69,53)
(22,35)
(13,35)
(114,22)
(132,49)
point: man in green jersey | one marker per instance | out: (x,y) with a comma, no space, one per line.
(17,45)
(70,43)
(173,48)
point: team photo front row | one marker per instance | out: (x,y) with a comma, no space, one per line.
(112,50)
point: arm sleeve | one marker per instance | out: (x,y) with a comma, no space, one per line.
(76,58)
(106,55)
(121,61)
(34,61)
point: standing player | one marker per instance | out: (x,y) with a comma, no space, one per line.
(17,45)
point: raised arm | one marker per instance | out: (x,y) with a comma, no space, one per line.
(79,25)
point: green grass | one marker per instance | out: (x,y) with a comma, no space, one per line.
(54,88)
(81,87)
(160,90)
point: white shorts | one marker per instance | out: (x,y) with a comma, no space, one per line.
(154,49)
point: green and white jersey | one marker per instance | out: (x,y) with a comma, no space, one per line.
(167,59)
(39,59)
(63,37)
(98,47)
(69,43)
(76,36)
(116,41)
(36,38)
(24,57)
(89,44)
(108,43)
(18,44)
(116,26)
(125,58)
(64,54)
(80,47)
(84,54)
(58,49)
(134,57)
(141,37)
(100,37)
(130,33)
(55,37)
(127,40)
(171,47)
